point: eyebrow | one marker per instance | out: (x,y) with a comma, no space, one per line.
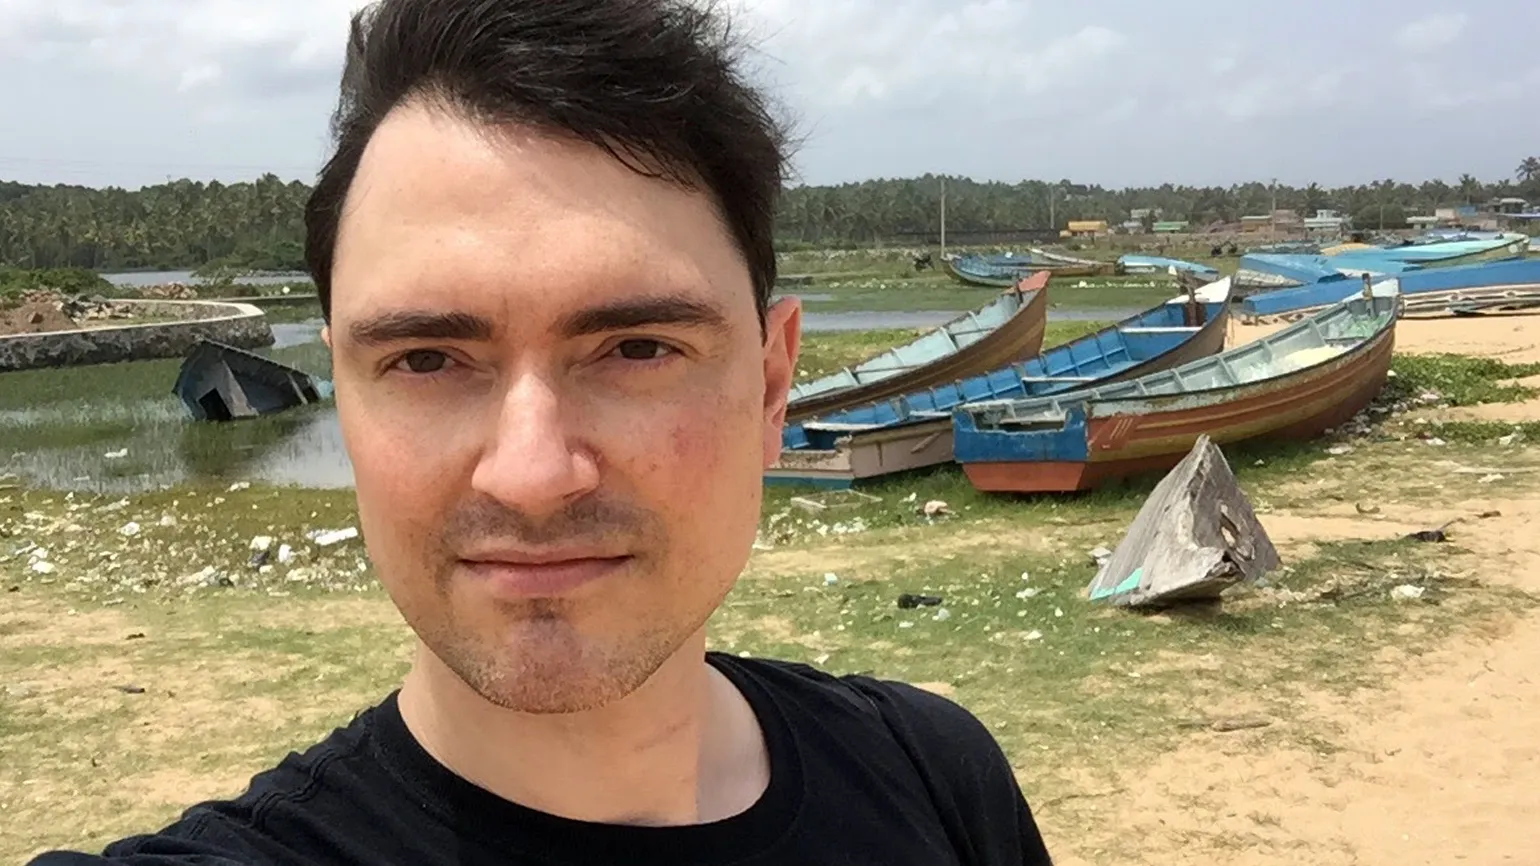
(626,313)
(400,325)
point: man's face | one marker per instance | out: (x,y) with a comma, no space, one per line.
(558,404)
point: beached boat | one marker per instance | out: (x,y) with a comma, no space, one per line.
(218,382)
(1268,271)
(999,271)
(1133,264)
(1292,384)
(1007,329)
(915,430)
(1423,291)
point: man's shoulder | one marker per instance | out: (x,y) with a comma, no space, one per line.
(920,714)
(233,830)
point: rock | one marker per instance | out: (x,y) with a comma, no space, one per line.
(261,543)
(1027,593)
(335,536)
(285,553)
(43,566)
(167,520)
(936,507)
(129,529)
(1407,592)
(942,614)
(830,579)
(116,455)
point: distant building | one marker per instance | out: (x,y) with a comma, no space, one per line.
(1509,205)
(1453,216)
(1256,223)
(1422,221)
(1086,228)
(1170,227)
(1325,222)
(1140,214)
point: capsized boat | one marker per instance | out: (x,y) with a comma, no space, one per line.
(915,430)
(1007,329)
(218,382)
(1135,264)
(1292,384)
(1423,291)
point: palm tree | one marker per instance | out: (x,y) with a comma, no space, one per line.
(1529,169)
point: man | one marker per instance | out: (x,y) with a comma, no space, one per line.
(543,248)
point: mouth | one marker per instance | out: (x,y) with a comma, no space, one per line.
(516,578)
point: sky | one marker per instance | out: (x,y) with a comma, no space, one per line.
(1111,92)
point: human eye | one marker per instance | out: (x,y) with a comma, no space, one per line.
(422,362)
(643,350)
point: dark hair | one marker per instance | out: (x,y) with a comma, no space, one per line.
(653,82)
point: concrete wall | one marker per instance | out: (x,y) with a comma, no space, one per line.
(240,325)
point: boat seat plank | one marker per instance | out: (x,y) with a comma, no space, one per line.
(1030,379)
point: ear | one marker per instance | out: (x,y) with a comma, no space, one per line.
(783,338)
(326,335)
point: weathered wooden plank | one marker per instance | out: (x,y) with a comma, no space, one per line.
(1195,537)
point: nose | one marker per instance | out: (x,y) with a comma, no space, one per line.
(533,462)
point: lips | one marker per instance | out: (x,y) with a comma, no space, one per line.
(541,576)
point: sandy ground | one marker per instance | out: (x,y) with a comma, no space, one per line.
(1443,767)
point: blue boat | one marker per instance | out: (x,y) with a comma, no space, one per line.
(1431,290)
(1134,264)
(914,431)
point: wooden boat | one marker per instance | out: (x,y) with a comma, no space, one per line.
(1003,270)
(1293,384)
(915,430)
(1007,329)
(218,382)
(1423,291)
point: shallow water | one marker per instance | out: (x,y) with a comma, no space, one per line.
(70,429)
(159,278)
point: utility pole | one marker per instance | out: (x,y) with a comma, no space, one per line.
(1053,221)
(1272,213)
(943,216)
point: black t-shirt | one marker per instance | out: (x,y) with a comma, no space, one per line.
(862,771)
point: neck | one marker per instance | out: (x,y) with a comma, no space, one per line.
(684,748)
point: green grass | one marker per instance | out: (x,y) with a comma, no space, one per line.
(1459,380)
(1064,682)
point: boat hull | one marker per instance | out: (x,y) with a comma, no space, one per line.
(1019,337)
(1121,444)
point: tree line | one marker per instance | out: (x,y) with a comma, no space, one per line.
(259,225)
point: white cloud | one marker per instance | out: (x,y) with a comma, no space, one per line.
(184,45)
(1433,32)
(842,53)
